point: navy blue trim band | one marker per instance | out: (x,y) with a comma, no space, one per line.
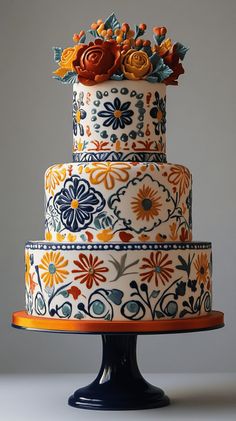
(119,156)
(45,245)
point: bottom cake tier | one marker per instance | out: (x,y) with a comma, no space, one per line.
(133,281)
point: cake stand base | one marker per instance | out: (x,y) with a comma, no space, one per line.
(119,384)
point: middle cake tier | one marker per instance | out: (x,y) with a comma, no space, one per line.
(118,201)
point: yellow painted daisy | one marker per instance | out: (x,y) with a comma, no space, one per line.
(53,268)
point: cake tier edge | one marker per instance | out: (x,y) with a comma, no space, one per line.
(152,281)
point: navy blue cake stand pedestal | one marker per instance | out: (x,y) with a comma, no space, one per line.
(119,384)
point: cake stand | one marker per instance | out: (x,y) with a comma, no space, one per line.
(119,384)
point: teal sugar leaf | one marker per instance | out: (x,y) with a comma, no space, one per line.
(117,77)
(152,79)
(180,50)
(57,52)
(158,39)
(70,77)
(93,33)
(147,49)
(82,39)
(112,22)
(160,70)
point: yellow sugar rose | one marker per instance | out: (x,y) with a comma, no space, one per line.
(67,57)
(136,65)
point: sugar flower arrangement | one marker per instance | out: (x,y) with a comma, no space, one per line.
(119,52)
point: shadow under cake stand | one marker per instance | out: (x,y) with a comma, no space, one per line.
(119,384)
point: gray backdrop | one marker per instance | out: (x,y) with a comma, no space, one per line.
(36,131)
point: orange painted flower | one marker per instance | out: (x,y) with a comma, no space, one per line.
(157,267)
(147,204)
(108,173)
(201,265)
(136,64)
(53,268)
(90,270)
(180,176)
(53,176)
(97,61)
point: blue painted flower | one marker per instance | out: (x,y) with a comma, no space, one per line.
(117,114)
(78,114)
(158,113)
(77,202)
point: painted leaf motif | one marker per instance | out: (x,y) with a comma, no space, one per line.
(115,295)
(64,294)
(154,293)
(57,52)
(79,315)
(182,313)
(158,314)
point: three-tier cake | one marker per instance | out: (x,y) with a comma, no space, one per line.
(118,219)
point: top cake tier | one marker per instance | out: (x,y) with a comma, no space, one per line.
(119,121)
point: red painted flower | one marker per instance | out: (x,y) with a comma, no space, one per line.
(97,61)
(89,270)
(157,267)
(74,291)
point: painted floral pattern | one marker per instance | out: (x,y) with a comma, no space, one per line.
(89,270)
(119,201)
(79,114)
(201,265)
(157,266)
(77,202)
(118,281)
(116,114)
(158,113)
(53,176)
(180,177)
(147,204)
(108,173)
(53,266)
(119,123)
(148,199)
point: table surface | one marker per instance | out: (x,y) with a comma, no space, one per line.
(44,397)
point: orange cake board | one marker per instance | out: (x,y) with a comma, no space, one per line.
(214,320)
